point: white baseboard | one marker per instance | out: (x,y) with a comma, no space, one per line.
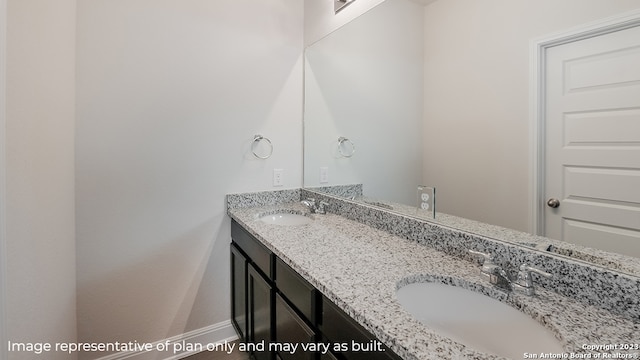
(213,334)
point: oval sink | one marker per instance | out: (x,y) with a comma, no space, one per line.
(477,321)
(286,219)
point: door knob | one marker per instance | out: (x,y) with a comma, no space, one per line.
(553,203)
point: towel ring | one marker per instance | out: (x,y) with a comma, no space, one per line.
(351,147)
(256,140)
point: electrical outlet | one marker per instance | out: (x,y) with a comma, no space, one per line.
(324,175)
(278,175)
(427,200)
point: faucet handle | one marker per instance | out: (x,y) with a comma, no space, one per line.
(309,202)
(491,272)
(322,207)
(480,255)
(488,266)
(525,274)
(527,267)
(524,282)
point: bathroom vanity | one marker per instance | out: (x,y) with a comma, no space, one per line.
(334,278)
(272,303)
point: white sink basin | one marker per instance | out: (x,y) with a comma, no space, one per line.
(476,320)
(286,219)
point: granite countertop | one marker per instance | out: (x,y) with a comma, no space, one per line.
(611,260)
(360,268)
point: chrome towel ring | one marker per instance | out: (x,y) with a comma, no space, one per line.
(346,147)
(256,140)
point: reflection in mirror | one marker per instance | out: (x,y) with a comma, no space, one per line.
(339,5)
(365,82)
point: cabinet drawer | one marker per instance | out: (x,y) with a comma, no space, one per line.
(258,253)
(297,290)
(338,327)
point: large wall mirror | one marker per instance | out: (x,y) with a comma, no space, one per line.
(367,138)
(363,104)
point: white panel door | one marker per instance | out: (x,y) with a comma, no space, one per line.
(592,144)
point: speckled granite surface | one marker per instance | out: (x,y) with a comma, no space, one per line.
(262,198)
(360,267)
(588,283)
(618,262)
(344,191)
(621,263)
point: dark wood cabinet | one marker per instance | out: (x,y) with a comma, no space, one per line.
(338,327)
(292,329)
(260,313)
(272,303)
(252,292)
(239,292)
(302,295)
(258,254)
(328,356)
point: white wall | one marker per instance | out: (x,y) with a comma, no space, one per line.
(170,95)
(364,82)
(477,99)
(320,19)
(40,241)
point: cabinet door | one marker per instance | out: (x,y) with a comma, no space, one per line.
(291,329)
(260,306)
(328,356)
(239,292)
(338,327)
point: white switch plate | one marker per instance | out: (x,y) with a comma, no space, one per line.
(278,175)
(324,175)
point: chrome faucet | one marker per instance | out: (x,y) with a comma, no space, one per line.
(315,208)
(524,281)
(310,203)
(491,272)
(496,275)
